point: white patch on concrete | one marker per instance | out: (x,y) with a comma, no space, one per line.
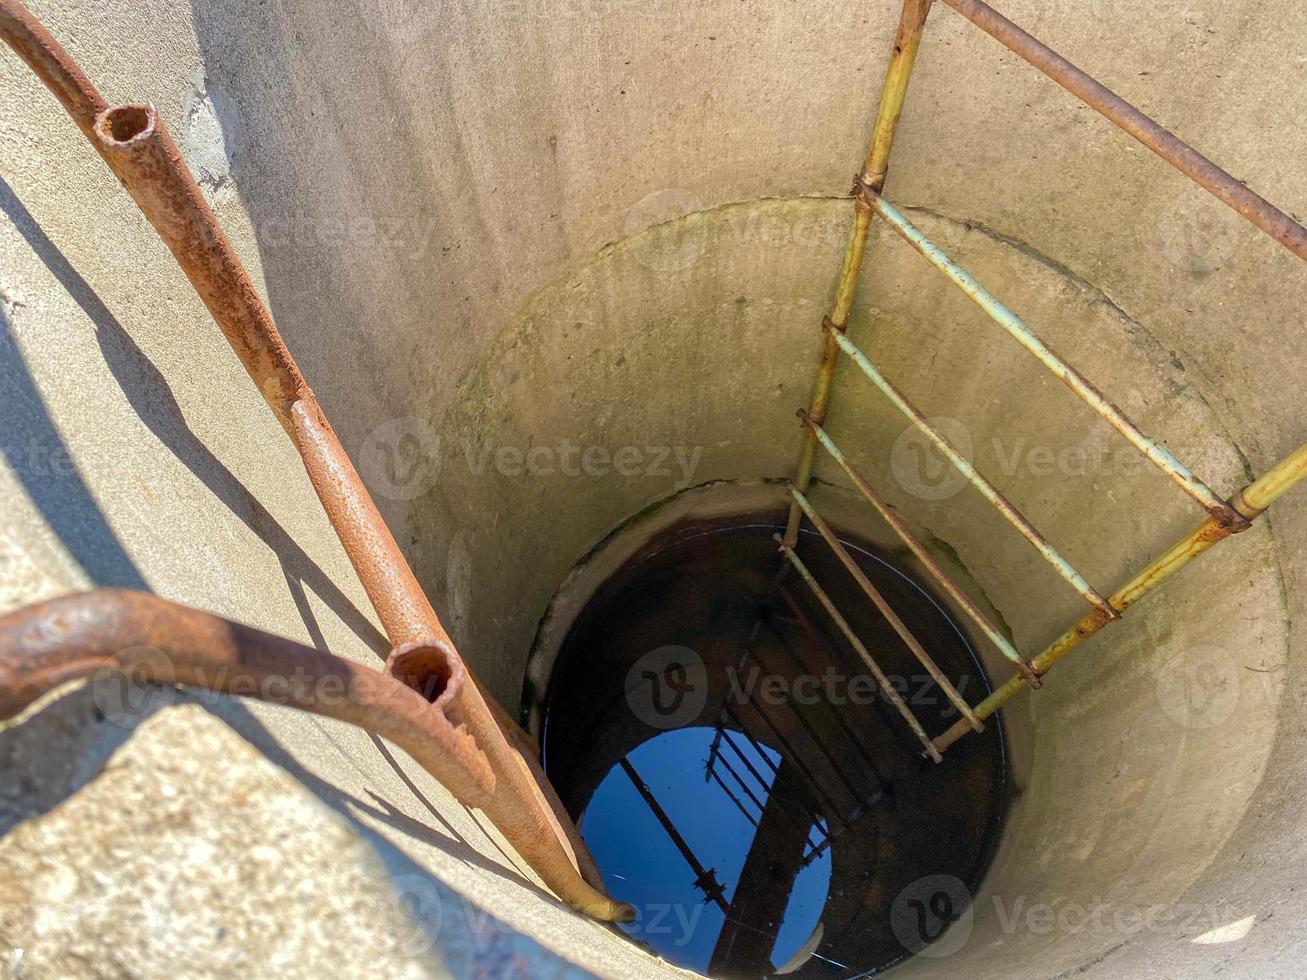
(200,852)
(1228,933)
(205,145)
(458,579)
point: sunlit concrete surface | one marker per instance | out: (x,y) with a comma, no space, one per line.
(613,228)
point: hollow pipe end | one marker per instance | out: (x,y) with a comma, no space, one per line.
(119,125)
(429,667)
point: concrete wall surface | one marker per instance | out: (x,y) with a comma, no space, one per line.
(548,263)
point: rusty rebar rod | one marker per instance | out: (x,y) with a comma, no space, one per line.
(805,665)
(133,638)
(1153,135)
(138,149)
(716,777)
(854,641)
(907,38)
(886,610)
(52,65)
(1250,502)
(801,825)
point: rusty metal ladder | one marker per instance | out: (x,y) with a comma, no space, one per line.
(1225,517)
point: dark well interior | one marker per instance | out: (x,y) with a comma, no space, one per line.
(738,772)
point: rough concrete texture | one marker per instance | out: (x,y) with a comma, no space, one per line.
(425,193)
(137,875)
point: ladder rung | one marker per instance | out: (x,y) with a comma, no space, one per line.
(886,610)
(955,591)
(987,489)
(861,649)
(1073,379)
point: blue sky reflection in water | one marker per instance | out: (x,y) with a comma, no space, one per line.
(712,595)
(643,866)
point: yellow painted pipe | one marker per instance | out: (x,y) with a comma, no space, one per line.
(1251,502)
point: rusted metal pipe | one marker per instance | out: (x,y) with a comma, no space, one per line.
(51,64)
(903,57)
(1153,135)
(705,879)
(1250,502)
(141,153)
(886,610)
(154,641)
(907,38)
(135,144)
(861,649)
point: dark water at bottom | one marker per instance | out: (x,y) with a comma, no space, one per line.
(740,778)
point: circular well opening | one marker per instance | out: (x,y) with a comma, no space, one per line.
(741,777)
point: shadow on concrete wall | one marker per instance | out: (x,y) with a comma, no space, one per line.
(40,460)
(29,441)
(68,506)
(337,184)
